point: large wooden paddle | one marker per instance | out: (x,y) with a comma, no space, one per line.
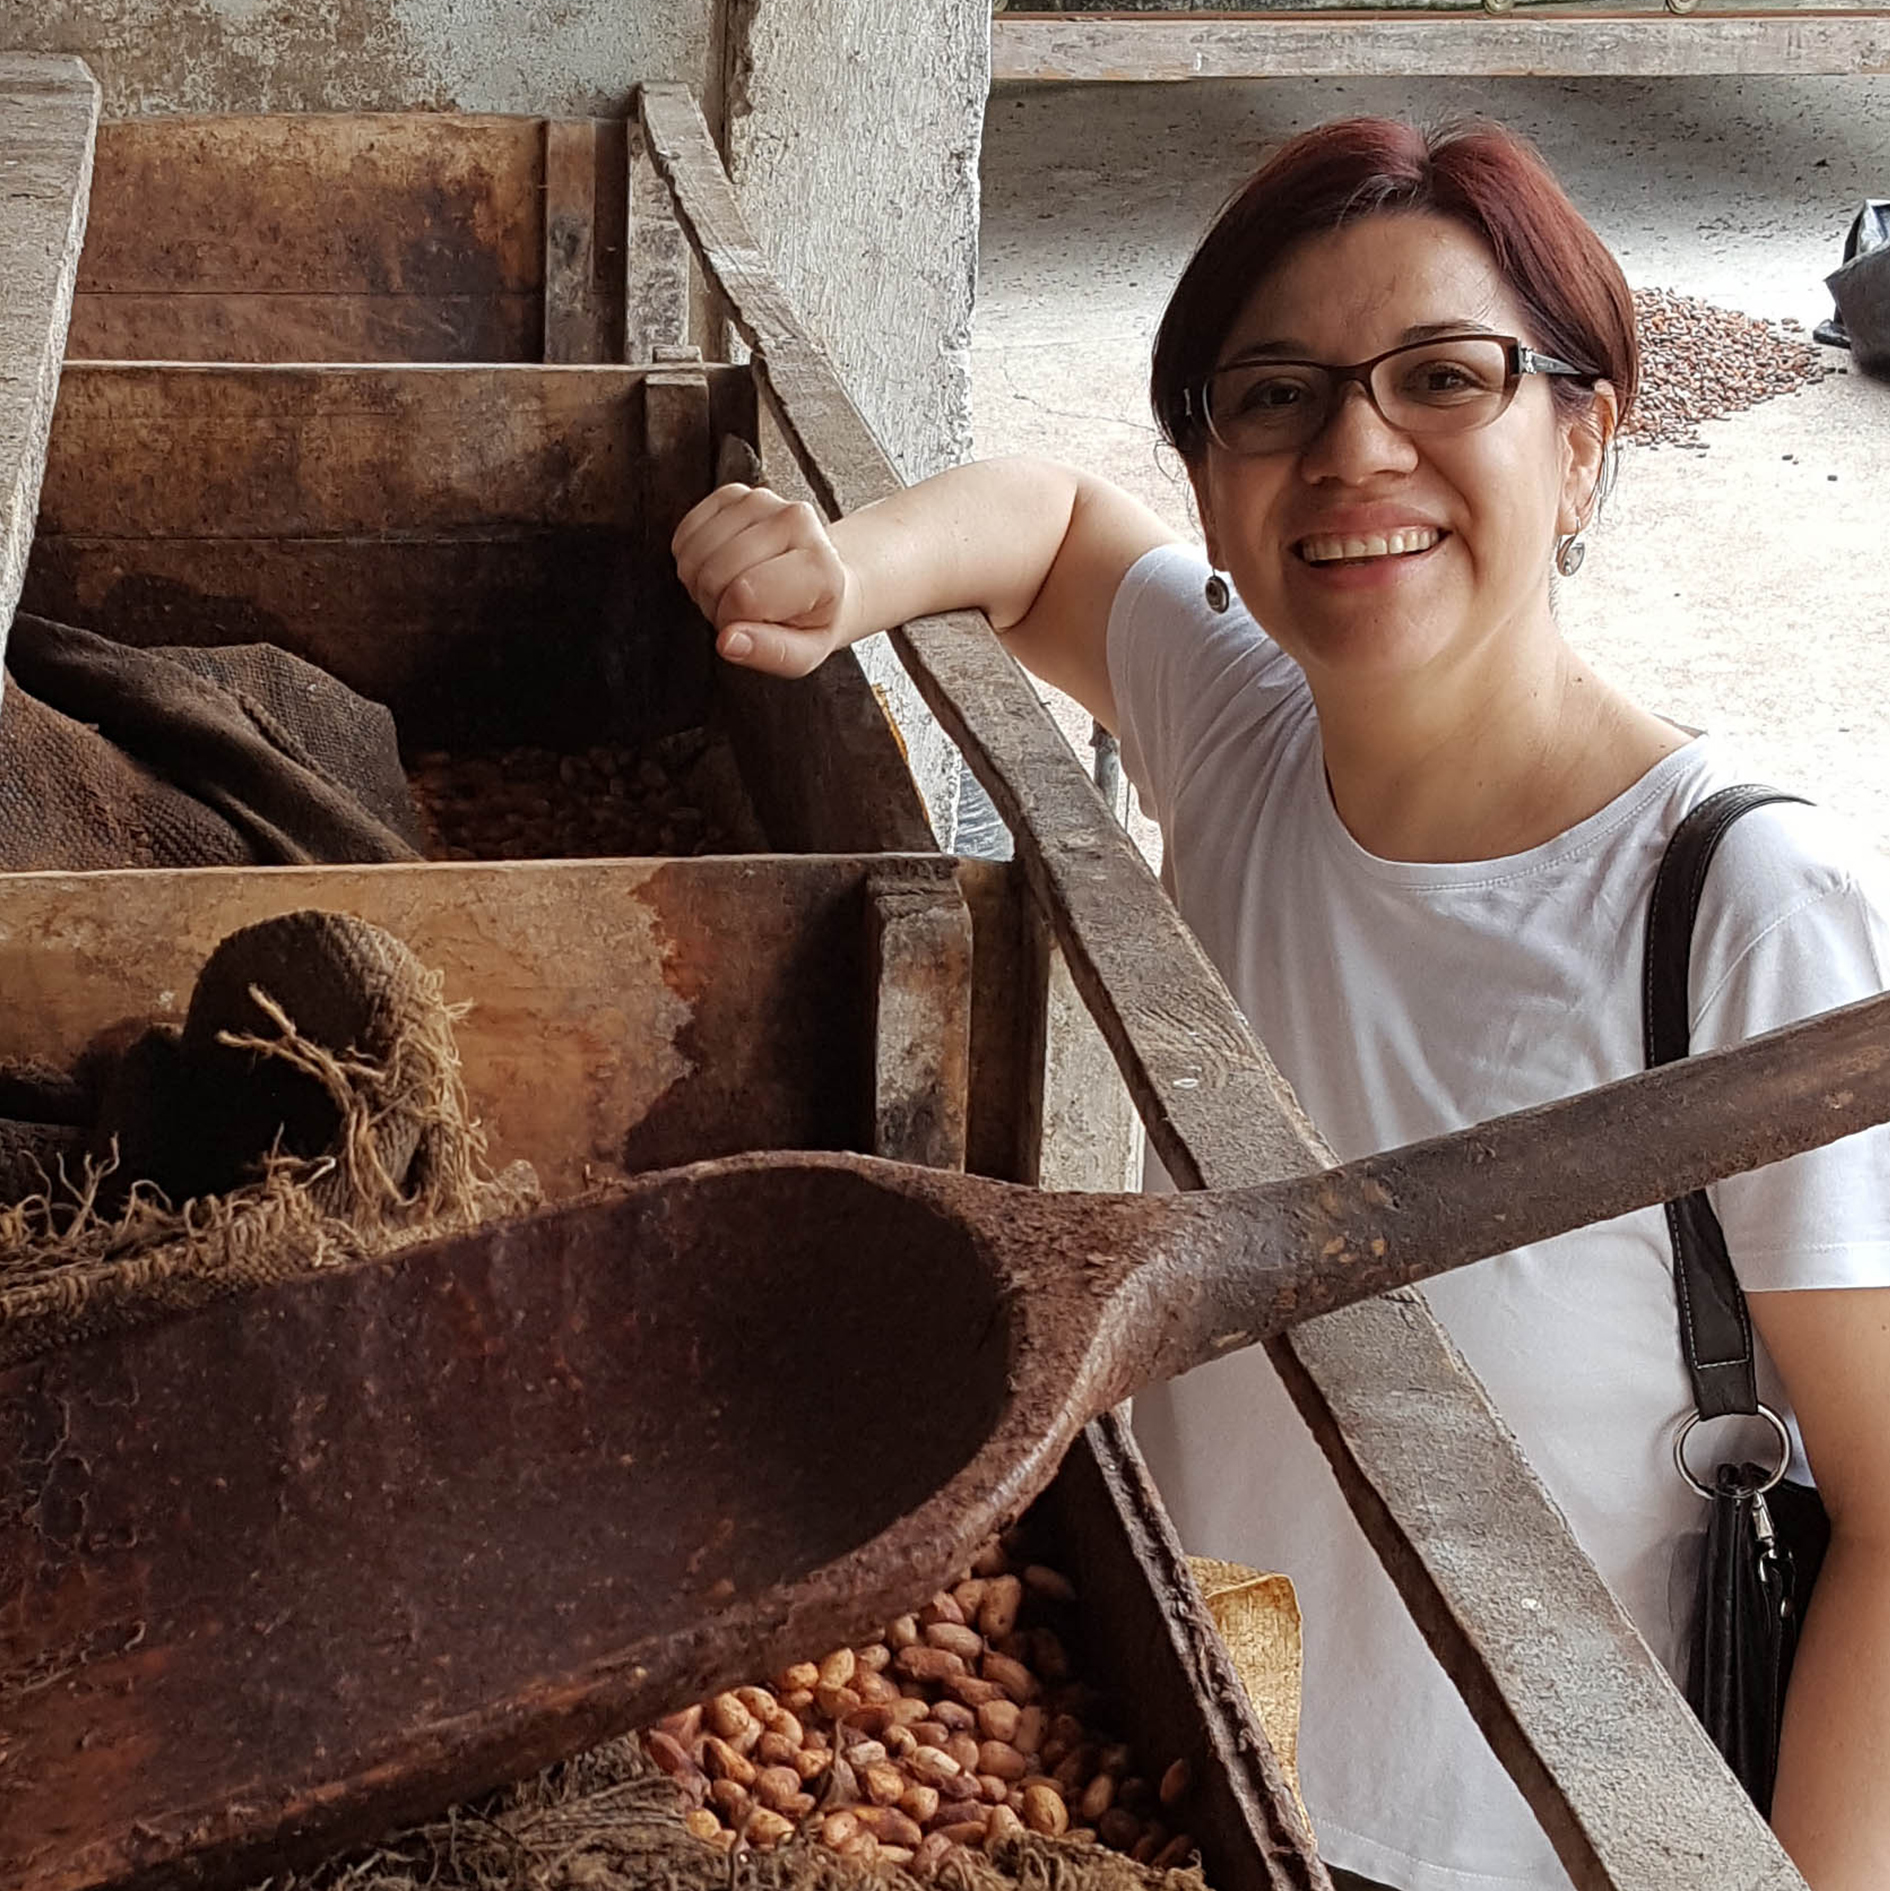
(281,1573)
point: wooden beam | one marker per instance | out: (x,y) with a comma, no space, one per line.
(1586,1721)
(586,188)
(1408,44)
(919,954)
(48,122)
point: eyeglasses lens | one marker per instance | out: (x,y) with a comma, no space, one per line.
(1447,386)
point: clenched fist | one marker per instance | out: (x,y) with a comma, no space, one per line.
(764,571)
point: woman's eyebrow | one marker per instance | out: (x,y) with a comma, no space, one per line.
(1294,350)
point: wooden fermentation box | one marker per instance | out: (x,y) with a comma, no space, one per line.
(462,456)
(358,387)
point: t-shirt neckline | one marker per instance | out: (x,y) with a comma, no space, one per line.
(1445,875)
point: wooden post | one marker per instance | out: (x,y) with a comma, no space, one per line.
(586,186)
(919,940)
(656,313)
(48,123)
(1626,1785)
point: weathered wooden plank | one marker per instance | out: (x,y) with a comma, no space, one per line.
(586,182)
(1172,1664)
(1627,1787)
(821,759)
(556,636)
(414,204)
(229,326)
(920,954)
(283,238)
(657,264)
(1344,44)
(220,451)
(625,1015)
(48,118)
(999,1141)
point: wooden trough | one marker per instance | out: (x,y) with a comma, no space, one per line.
(480,544)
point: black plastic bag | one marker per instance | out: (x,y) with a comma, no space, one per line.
(1861,289)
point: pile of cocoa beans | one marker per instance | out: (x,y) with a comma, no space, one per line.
(537,804)
(961,1726)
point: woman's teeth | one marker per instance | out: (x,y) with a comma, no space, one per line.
(1328,551)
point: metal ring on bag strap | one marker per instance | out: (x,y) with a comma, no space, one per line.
(1765,1412)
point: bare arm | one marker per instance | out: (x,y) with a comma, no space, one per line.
(1829,1810)
(1039,548)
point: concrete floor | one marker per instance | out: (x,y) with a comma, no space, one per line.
(1734,589)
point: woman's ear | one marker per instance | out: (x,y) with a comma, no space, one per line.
(1588,439)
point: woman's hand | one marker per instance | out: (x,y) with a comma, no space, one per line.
(764,571)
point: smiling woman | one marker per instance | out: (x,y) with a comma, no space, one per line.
(1418,835)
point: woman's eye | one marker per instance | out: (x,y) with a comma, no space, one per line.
(1442,379)
(1269,394)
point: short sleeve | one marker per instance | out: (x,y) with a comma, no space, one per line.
(1796,920)
(1185,677)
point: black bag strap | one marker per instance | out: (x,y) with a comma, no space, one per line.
(1715,1328)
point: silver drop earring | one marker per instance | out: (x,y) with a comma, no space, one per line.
(1569,553)
(1219,597)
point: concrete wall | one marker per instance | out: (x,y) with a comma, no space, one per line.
(371,55)
(852,134)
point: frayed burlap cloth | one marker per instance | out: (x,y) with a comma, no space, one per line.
(114,757)
(609,1821)
(310,1112)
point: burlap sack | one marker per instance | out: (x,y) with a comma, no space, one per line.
(271,1135)
(608,1821)
(114,757)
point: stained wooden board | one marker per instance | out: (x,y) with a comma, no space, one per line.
(1339,43)
(283,237)
(48,118)
(1573,1704)
(1170,1662)
(298,327)
(625,1015)
(550,636)
(214,451)
(587,183)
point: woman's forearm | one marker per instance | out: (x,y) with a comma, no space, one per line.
(1830,1810)
(982,536)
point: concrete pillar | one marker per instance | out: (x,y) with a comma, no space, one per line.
(852,130)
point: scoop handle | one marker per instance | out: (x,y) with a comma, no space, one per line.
(1255,1261)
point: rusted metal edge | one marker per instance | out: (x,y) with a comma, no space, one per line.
(1628,1790)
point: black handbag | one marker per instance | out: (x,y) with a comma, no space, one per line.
(1765,1536)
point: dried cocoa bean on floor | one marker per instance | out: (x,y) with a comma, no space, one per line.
(1700,362)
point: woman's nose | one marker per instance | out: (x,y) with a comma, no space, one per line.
(1356,441)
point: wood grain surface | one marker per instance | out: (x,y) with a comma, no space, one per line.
(1340,43)
(334,237)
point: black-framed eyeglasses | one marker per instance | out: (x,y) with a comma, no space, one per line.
(1447,384)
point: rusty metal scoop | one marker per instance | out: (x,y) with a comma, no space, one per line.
(280,1573)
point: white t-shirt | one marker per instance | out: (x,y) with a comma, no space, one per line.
(1402,1000)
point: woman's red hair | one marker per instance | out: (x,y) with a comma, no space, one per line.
(1479,174)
